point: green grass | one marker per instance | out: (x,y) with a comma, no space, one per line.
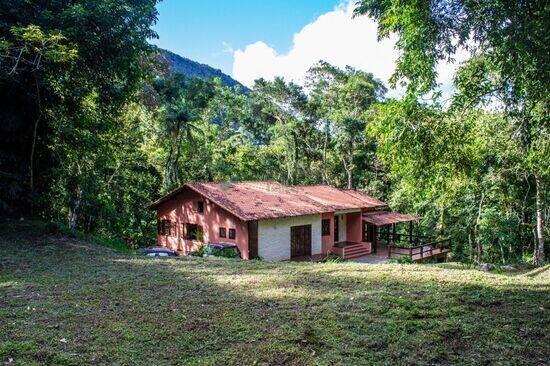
(66,301)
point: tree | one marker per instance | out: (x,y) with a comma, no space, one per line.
(459,171)
(55,55)
(509,63)
(343,99)
(30,50)
(281,109)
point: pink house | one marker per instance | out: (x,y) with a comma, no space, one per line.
(272,221)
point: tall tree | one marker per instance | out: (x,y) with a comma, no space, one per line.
(509,44)
(343,99)
(106,42)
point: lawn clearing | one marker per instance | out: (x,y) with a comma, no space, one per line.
(65,301)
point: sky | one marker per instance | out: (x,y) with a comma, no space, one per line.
(248,39)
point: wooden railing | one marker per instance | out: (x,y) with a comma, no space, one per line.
(401,237)
(426,250)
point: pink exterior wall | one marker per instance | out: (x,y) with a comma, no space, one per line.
(327,242)
(354,227)
(181,210)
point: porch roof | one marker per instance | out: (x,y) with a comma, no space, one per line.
(380,218)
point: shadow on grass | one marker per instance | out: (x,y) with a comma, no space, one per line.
(111,308)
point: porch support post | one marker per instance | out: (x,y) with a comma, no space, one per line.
(394,234)
(410,231)
(374,239)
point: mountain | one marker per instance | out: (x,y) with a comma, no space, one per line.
(194,69)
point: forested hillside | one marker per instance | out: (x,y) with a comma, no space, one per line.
(94,128)
(192,68)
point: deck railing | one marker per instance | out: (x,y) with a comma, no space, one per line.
(403,238)
(422,251)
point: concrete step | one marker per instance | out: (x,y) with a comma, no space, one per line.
(356,255)
(362,251)
(355,248)
(354,251)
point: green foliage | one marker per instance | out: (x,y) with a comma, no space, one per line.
(507,70)
(199,252)
(510,35)
(224,253)
(460,172)
(72,72)
(29,48)
(402,259)
(94,130)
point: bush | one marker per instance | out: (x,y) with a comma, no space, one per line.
(225,253)
(403,259)
(199,252)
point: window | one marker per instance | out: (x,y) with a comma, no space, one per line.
(200,206)
(193,232)
(232,233)
(165,227)
(222,232)
(325,227)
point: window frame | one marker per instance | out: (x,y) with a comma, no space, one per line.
(199,206)
(232,234)
(222,232)
(166,227)
(192,231)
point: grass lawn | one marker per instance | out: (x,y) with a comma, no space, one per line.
(65,301)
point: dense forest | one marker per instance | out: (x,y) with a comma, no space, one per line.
(94,126)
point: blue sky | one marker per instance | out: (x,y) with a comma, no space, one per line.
(249,39)
(204,30)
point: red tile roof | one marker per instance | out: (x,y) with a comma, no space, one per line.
(265,200)
(379,218)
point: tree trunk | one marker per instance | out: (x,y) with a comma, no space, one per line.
(476,236)
(33,144)
(539,252)
(76,210)
(349,169)
(349,174)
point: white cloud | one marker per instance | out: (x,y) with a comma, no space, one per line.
(335,37)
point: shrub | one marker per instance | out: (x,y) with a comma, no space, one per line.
(199,252)
(225,253)
(403,259)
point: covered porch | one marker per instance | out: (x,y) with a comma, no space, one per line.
(381,229)
(342,234)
